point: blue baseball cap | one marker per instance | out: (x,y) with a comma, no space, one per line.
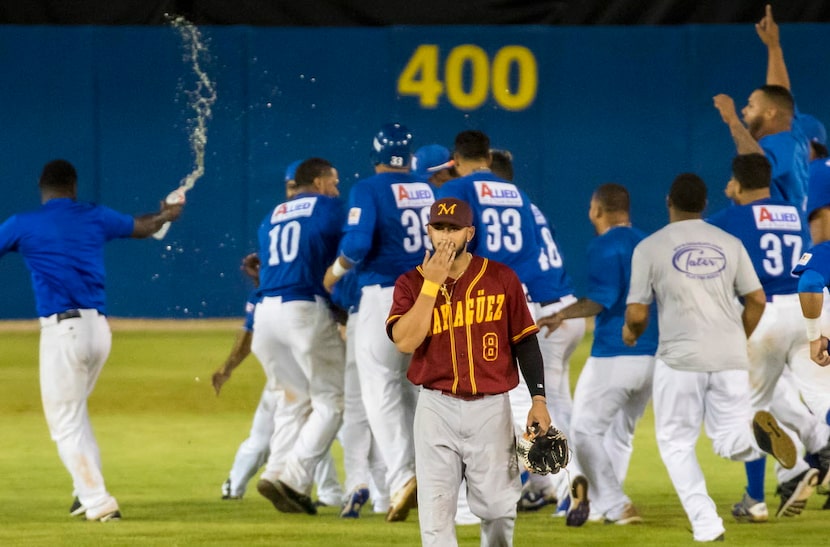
(430,159)
(813,129)
(291,170)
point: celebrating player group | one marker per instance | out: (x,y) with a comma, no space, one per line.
(427,323)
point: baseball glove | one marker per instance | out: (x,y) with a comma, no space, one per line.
(544,453)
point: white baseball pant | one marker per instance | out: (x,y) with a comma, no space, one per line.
(779,341)
(611,394)
(301,351)
(682,401)
(72,355)
(388,396)
(253,452)
(473,439)
(362,462)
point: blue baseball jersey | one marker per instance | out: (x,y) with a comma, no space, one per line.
(609,274)
(788,152)
(297,242)
(774,234)
(557,283)
(816,259)
(62,244)
(505,225)
(385,232)
(818,191)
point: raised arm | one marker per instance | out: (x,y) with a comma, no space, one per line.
(767,30)
(147,225)
(744,141)
(410,330)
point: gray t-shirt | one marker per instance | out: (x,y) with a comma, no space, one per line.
(695,270)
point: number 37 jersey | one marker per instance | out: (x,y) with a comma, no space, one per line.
(297,242)
(774,234)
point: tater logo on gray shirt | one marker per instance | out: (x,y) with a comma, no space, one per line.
(699,260)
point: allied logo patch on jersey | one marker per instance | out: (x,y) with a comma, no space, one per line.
(805,258)
(497,193)
(777,217)
(538,215)
(410,195)
(354,216)
(296,208)
(699,260)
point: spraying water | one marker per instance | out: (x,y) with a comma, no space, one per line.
(201,100)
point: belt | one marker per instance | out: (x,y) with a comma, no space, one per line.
(56,318)
(68,314)
(475,397)
(564,299)
(782,297)
(292,298)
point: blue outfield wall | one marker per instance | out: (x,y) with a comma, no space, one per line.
(578,106)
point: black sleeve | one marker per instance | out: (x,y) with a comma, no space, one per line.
(529,356)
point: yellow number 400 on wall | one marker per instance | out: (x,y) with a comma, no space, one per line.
(420,77)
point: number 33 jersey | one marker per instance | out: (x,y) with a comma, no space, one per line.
(505,224)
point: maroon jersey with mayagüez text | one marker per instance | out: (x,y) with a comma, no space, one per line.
(475,321)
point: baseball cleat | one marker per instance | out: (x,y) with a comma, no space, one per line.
(402,501)
(301,500)
(357,499)
(750,510)
(533,500)
(268,490)
(823,487)
(109,512)
(115,515)
(795,493)
(277,496)
(226,491)
(629,515)
(77,509)
(773,440)
(823,457)
(580,508)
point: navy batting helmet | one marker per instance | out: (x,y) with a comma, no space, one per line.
(392,145)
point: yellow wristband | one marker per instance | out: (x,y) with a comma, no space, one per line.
(430,288)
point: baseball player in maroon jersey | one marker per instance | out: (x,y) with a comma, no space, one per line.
(465,320)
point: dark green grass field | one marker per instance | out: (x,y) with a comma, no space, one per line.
(168,442)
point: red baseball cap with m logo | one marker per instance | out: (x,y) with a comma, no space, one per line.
(451,211)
